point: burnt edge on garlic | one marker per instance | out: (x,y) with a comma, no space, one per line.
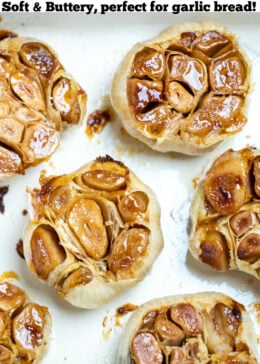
(225,214)
(194,328)
(38,100)
(184,90)
(95,232)
(25,327)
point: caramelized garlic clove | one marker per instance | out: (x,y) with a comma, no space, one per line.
(188,318)
(38,57)
(127,249)
(28,89)
(79,277)
(227,182)
(150,63)
(227,74)
(190,71)
(214,251)
(133,204)
(249,248)
(227,321)
(86,220)
(211,43)
(145,349)
(11,297)
(28,327)
(39,142)
(169,333)
(65,100)
(104,180)
(178,97)
(46,251)
(144,94)
(241,222)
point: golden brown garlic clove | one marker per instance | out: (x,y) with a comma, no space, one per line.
(188,318)
(11,297)
(81,276)
(211,43)
(86,220)
(47,253)
(227,321)
(65,100)
(39,142)
(249,248)
(214,251)
(179,98)
(129,246)
(11,131)
(149,63)
(28,327)
(104,180)
(241,222)
(227,74)
(227,182)
(130,206)
(28,89)
(169,333)
(145,349)
(37,56)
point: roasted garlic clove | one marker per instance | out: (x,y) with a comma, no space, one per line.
(11,297)
(47,252)
(162,87)
(38,99)
(95,232)
(217,326)
(225,214)
(24,327)
(214,251)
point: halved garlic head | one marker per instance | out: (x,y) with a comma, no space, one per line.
(24,326)
(207,327)
(225,231)
(38,99)
(184,90)
(95,232)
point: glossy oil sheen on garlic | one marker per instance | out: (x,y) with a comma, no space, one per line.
(95,225)
(176,334)
(38,97)
(176,80)
(227,228)
(24,326)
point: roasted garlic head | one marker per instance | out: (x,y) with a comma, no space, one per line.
(200,328)
(184,90)
(24,326)
(225,214)
(37,99)
(95,232)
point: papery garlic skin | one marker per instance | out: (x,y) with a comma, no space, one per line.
(224,213)
(25,327)
(184,90)
(38,100)
(194,328)
(94,233)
